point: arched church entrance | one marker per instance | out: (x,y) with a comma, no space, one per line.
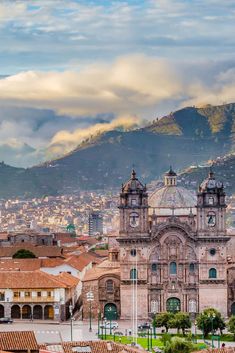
(173,305)
(2,311)
(233,309)
(110,311)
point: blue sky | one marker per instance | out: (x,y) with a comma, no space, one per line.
(102,62)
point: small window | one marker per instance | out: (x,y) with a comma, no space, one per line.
(49,294)
(212,252)
(173,268)
(212,273)
(191,267)
(154,267)
(133,252)
(133,273)
(16,294)
(211,200)
(109,285)
(2,296)
(133,202)
(39,294)
(27,294)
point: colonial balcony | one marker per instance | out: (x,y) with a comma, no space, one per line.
(33,299)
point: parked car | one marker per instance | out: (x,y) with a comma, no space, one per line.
(106,325)
(6,320)
(144,326)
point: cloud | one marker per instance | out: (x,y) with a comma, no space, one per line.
(128,85)
(62,34)
(65,141)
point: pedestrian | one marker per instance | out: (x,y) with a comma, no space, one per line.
(223,345)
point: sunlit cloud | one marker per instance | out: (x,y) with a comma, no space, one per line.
(65,141)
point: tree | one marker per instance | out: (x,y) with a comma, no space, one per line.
(163,320)
(165,338)
(181,321)
(178,345)
(209,320)
(231,325)
(24,254)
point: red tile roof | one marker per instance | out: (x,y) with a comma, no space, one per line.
(18,341)
(31,280)
(39,251)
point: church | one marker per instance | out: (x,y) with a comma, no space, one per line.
(173,254)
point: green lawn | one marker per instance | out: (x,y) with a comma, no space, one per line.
(143,341)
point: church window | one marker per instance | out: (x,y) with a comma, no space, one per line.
(173,268)
(212,252)
(212,273)
(133,273)
(154,267)
(133,252)
(191,267)
(133,202)
(154,306)
(211,201)
(109,285)
(192,306)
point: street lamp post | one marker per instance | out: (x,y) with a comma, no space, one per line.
(99,314)
(148,345)
(110,319)
(90,298)
(151,339)
(212,317)
(195,325)
(71,320)
(105,321)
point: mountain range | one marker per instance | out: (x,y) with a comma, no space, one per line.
(189,136)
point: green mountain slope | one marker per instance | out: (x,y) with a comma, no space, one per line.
(223,167)
(185,137)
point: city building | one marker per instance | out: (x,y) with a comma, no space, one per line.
(174,252)
(37,295)
(95,223)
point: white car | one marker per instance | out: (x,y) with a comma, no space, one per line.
(106,325)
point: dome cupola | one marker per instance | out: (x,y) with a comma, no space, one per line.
(170,178)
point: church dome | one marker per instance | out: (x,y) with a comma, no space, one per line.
(172,197)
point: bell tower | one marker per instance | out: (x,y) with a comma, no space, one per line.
(211,208)
(212,244)
(134,243)
(133,208)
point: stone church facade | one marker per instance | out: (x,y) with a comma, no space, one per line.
(174,250)
(176,260)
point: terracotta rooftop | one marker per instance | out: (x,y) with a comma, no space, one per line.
(39,251)
(94,347)
(98,272)
(18,341)
(31,280)
(76,261)
(20,264)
